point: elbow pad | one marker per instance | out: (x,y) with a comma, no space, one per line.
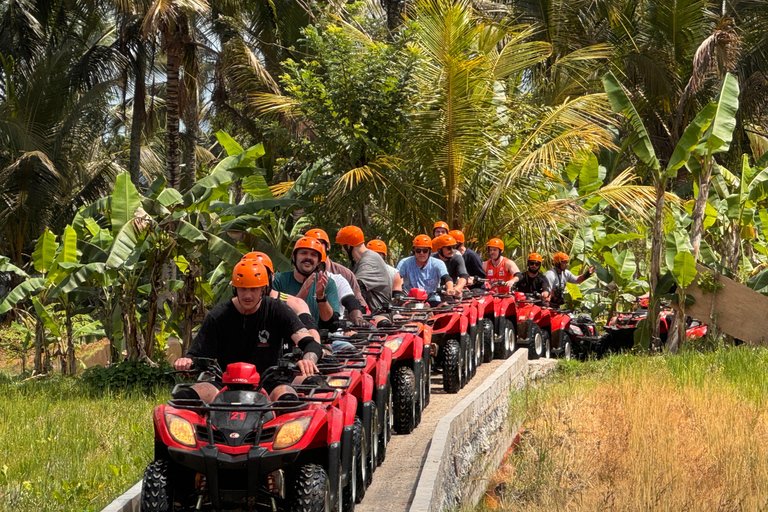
(308,321)
(331,324)
(445,279)
(350,303)
(308,344)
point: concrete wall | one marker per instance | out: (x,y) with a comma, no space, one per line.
(470,442)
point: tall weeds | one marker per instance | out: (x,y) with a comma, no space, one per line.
(632,433)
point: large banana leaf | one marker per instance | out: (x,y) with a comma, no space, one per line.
(189,233)
(125,201)
(691,138)
(267,204)
(6,266)
(684,268)
(126,248)
(676,242)
(170,197)
(68,250)
(45,315)
(45,252)
(720,133)
(620,102)
(21,292)
(81,276)
(224,250)
(228,143)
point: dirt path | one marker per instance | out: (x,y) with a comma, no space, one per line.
(395,480)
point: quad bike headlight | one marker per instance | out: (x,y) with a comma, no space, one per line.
(291,433)
(394,343)
(181,430)
(338,383)
(575,329)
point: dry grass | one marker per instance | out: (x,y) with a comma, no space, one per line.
(640,435)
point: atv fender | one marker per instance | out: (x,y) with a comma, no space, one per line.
(347,452)
(418,373)
(334,455)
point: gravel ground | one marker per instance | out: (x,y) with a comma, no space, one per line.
(395,480)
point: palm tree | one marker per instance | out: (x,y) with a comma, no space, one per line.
(174,20)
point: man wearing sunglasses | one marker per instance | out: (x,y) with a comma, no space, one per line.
(533,281)
(445,251)
(423,271)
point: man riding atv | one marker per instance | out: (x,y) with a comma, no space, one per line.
(370,270)
(532,281)
(250,328)
(472,261)
(439,229)
(499,269)
(445,251)
(380,248)
(307,281)
(337,268)
(424,272)
(559,275)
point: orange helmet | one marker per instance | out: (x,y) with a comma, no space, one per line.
(377,246)
(443,241)
(350,235)
(249,274)
(497,243)
(307,242)
(440,224)
(560,257)
(458,235)
(319,234)
(261,258)
(534,256)
(422,241)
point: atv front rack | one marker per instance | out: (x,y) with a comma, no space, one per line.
(201,407)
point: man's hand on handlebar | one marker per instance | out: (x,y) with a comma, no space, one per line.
(183,364)
(307,364)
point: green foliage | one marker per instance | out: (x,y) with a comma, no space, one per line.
(129,376)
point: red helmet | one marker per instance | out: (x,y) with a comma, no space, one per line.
(319,234)
(458,235)
(497,243)
(443,241)
(422,241)
(440,224)
(560,257)
(261,258)
(377,246)
(534,256)
(350,235)
(307,242)
(249,274)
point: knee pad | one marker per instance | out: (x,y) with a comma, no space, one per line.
(186,394)
(308,321)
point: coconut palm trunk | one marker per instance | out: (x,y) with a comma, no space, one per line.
(138,119)
(172,111)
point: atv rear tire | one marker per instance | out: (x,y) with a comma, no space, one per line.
(536,342)
(157,488)
(487,339)
(361,460)
(477,343)
(385,431)
(311,490)
(373,452)
(404,400)
(547,345)
(451,367)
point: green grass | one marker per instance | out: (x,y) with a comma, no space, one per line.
(67,449)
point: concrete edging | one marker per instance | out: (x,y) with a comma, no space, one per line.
(130,501)
(469,443)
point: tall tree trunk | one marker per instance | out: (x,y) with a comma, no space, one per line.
(139,116)
(39,345)
(70,339)
(172,110)
(700,205)
(189,174)
(657,243)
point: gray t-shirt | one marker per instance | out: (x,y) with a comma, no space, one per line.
(456,266)
(392,272)
(372,274)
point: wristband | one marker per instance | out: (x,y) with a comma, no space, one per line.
(324,299)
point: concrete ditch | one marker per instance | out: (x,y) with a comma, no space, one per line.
(465,447)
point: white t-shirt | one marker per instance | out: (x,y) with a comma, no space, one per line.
(342,289)
(559,279)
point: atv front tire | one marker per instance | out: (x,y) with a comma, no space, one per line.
(451,366)
(404,400)
(506,339)
(361,462)
(311,490)
(156,489)
(567,353)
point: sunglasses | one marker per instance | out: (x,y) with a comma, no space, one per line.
(534,263)
(419,251)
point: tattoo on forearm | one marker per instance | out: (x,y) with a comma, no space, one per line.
(311,356)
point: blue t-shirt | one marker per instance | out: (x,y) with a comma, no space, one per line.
(426,278)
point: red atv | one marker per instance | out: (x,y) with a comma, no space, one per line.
(243,451)
(497,319)
(534,323)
